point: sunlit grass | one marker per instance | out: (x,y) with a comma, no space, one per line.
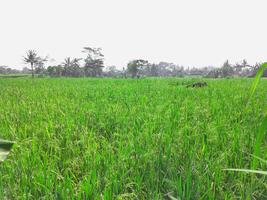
(130,139)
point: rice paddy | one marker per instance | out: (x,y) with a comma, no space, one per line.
(82,138)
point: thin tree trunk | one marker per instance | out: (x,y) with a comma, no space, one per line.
(32,70)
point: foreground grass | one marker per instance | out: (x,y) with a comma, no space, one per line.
(130,139)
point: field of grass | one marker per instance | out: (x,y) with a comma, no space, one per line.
(130,139)
(14,75)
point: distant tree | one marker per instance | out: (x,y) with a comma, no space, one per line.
(227,69)
(94,61)
(76,67)
(71,67)
(244,63)
(67,66)
(32,59)
(179,71)
(26,70)
(3,69)
(8,70)
(237,69)
(112,71)
(242,69)
(59,69)
(154,70)
(40,65)
(55,71)
(214,73)
(135,66)
(51,70)
(255,68)
(124,72)
(164,68)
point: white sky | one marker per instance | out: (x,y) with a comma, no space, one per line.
(186,32)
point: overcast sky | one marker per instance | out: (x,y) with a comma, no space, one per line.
(187,32)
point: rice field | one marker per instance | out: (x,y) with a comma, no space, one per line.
(153,138)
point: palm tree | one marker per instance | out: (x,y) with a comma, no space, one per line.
(71,66)
(31,58)
(94,61)
(76,66)
(67,66)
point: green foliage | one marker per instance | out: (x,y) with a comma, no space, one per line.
(32,59)
(262,128)
(135,66)
(249,171)
(257,79)
(94,61)
(130,139)
(259,139)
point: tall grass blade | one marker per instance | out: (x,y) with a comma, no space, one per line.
(261,130)
(263,126)
(258,158)
(247,171)
(259,138)
(256,80)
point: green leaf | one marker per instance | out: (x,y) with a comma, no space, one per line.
(262,129)
(247,171)
(5,147)
(257,80)
(259,138)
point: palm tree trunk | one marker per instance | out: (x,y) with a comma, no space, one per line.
(32,70)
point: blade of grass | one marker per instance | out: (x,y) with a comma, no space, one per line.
(247,171)
(262,128)
(259,137)
(260,159)
(256,81)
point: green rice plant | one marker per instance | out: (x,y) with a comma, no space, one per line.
(261,130)
(257,80)
(259,138)
(103,138)
(248,171)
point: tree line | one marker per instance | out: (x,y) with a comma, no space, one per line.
(92,65)
(70,67)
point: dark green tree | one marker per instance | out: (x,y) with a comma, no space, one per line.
(40,65)
(135,66)
(32,59)
(227,70)
(94,61)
